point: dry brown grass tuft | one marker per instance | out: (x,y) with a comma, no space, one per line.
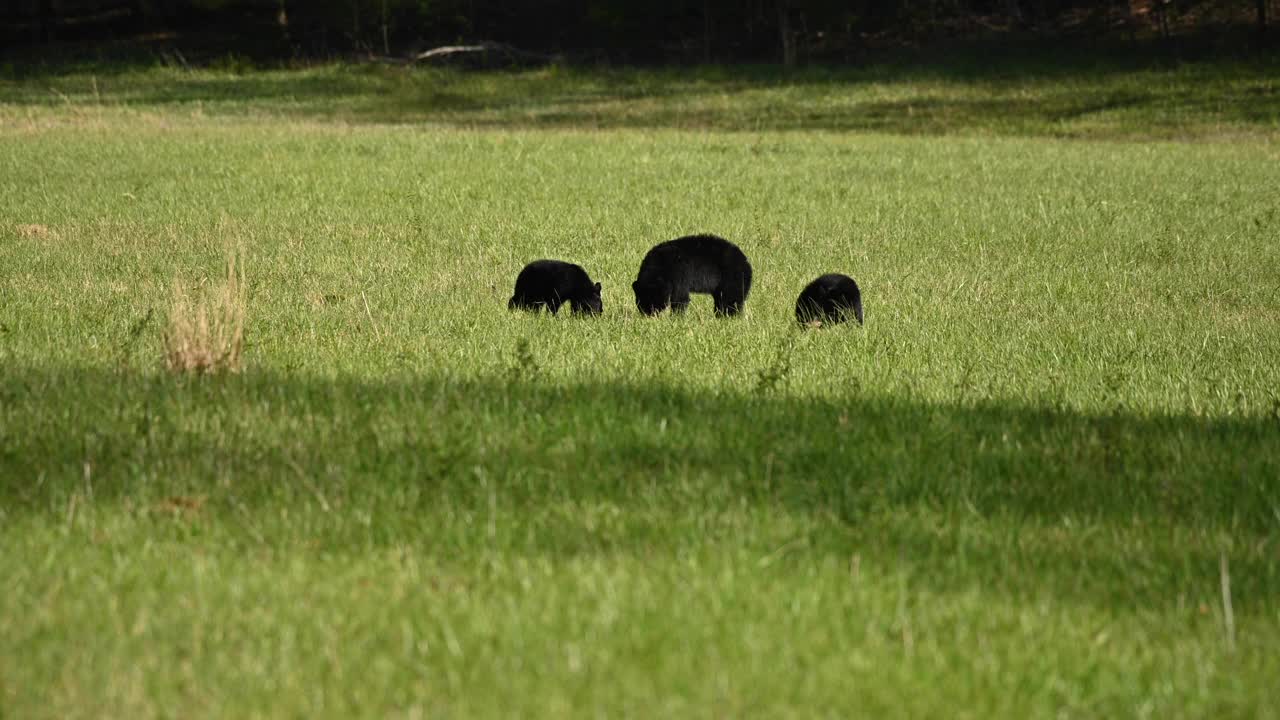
(179,505)
(206,333)
(31,230)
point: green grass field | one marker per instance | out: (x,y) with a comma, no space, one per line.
(1043,480)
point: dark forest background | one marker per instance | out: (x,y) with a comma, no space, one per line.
(622,31)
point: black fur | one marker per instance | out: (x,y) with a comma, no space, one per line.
(830,298)
(693,264)
(551,283)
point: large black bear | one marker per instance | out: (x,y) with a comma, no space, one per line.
(693,264)
(551,283)
(831,298)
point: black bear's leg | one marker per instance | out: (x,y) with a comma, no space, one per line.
(846,310)
(554,305)
(727,306)
(679,301)
(734,295)
(832,310)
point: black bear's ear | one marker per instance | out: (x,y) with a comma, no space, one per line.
(597,288)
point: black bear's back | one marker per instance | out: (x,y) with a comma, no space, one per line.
(553,271)
(550,283)
(698,262)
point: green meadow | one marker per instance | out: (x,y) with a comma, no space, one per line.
(1042,480)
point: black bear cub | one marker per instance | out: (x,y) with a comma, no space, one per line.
(831,298)
(551,283)
(693,264)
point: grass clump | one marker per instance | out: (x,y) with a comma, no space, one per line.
(205,334)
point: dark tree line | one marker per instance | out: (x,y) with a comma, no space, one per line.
(618,30)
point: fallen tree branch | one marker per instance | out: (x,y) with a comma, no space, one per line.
(449,52)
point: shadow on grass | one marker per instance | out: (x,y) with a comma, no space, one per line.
(604,440)
(951,487)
